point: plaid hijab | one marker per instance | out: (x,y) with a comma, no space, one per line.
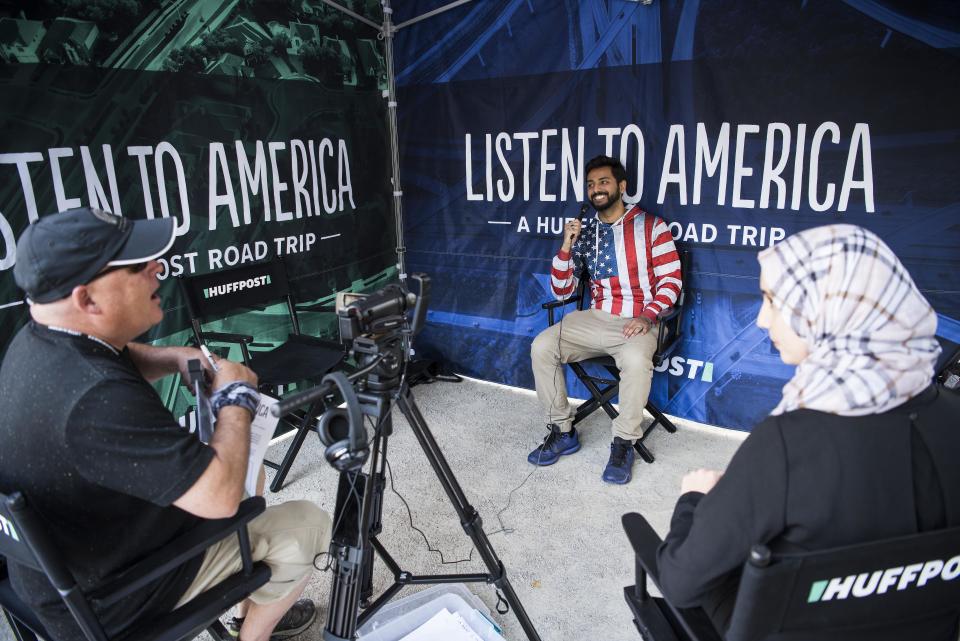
(869,330)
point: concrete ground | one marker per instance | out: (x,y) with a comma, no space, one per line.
(558,532)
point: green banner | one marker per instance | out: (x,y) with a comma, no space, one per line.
(259,126)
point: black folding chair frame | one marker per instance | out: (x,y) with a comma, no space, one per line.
(602,390)
(25,541)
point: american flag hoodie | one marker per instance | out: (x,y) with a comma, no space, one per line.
(633,264)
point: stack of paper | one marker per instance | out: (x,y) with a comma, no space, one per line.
(444,626)
(448,612)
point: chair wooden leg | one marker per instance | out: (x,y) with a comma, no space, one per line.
(642,450)
(661,418)
(20,631)
(598,397)
(219,632)
(601,399)
(586,409)
(649,618)
(294,449)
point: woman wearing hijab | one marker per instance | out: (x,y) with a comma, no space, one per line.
(861,447)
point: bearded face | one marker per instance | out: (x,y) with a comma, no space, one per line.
(603,189)
(603,199)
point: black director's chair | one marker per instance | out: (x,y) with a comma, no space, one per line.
(300,358)
(603,388)
(809,595)
(24,540)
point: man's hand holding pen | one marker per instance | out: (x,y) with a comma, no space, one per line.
(231,372)
(222,372)
(209,358)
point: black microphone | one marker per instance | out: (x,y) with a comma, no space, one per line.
(586,222)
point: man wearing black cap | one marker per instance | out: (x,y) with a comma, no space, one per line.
(87,438)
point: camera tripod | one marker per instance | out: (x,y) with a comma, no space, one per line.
(355,539)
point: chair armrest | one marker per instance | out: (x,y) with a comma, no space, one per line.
(644,540)
(553,304)
(320,342)
(227,337)
(668,315)
(666,344)
(176,553)
(667,341)
(316,307)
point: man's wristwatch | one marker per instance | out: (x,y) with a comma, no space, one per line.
(237,393)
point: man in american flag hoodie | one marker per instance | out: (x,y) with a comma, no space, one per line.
(634,272)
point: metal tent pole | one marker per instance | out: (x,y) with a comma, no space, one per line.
(430,14)
(391,96)
(387,29)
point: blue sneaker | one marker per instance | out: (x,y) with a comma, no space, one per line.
(618,469)
(555,445)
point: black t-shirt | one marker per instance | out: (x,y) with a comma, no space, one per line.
(807,480)
(90,443)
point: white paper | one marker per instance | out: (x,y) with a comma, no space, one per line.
(261,431)
(444,626)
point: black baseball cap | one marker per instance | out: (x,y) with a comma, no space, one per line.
(61,251)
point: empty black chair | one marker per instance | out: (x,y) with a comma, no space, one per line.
(300,358)
(603,388)
(24,540)
(849,590)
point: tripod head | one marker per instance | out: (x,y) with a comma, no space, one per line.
(376,329)
(384,311)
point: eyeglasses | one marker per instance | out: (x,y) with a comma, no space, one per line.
(136,268)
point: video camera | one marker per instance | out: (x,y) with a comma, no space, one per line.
(374,328)
(377,327)
(384,311)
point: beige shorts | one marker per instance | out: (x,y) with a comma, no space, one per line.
(286,537)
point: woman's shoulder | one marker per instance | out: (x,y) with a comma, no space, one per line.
(930,402)
(797,431)
(804,428)
(799,419)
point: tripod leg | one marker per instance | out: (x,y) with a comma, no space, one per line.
(469,518)
(378,478)
(344,594)
(351,550)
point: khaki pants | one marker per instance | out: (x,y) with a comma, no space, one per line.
(286,536)
(587,334)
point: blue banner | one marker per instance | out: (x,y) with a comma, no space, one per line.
(738,122)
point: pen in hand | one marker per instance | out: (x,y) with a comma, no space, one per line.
(209,357)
